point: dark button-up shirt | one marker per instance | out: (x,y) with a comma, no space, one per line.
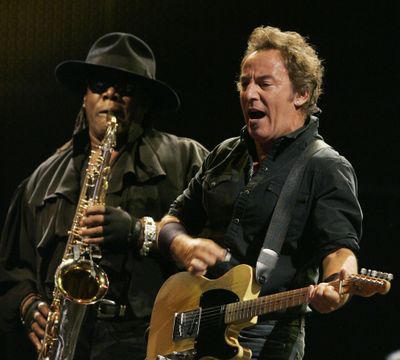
(233,205)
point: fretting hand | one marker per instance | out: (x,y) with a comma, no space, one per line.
(325,298)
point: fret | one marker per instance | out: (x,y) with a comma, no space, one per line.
(240,311)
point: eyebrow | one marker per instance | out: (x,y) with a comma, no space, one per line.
(261,77)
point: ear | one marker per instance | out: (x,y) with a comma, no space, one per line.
(301,98)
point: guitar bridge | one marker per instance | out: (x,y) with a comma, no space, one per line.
(186,324)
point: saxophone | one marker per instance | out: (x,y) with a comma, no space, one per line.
(79,281)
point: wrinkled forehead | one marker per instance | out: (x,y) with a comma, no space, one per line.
(263,57)
(263,63)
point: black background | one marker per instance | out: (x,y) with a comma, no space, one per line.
(198,46)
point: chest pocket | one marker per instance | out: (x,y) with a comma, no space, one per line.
(259,205)
(255,211)
(219,195)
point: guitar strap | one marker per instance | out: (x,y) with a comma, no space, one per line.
(282,214)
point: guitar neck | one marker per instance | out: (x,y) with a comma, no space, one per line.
(358,284)
(241,311)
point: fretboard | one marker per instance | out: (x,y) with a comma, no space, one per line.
(243,310)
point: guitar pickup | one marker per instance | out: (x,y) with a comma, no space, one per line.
(186,324)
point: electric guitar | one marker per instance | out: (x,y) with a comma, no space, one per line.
(197,318)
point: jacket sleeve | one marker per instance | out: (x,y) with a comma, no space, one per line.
(17,260)
(195,154)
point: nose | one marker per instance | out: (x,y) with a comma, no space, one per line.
(111,94)
(251,91)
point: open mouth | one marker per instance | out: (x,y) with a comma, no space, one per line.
(255,114)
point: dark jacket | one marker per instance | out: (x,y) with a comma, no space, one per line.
(148,175)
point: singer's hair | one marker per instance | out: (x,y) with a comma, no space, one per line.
(304,67)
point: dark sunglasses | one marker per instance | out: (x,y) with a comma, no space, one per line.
(121,87)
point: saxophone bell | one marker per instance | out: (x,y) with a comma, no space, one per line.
(83,281)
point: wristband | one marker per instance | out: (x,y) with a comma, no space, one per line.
(150,232)
(167,235)
(135,232)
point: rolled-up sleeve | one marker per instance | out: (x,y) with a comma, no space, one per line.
(336,216)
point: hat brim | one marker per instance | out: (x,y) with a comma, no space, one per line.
(74,74)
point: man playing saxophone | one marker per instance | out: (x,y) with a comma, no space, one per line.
(148,169)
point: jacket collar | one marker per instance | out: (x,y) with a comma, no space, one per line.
(138,160)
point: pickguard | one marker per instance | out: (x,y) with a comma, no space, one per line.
(211,339)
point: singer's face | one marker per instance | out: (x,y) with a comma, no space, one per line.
(267,97)
(116,98)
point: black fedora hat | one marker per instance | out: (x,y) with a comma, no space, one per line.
(123,55)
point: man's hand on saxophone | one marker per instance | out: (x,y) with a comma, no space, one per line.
(112,228)
(34,313)
(106,226)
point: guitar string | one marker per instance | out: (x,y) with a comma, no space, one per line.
(212,315)
(215,319)
(248,305)
(245,309)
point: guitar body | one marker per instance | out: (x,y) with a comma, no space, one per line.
(184,292)
(198,318)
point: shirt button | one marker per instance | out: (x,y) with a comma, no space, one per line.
(236,221)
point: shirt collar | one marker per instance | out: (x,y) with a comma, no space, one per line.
(310,127)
